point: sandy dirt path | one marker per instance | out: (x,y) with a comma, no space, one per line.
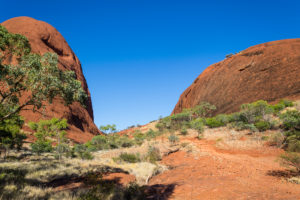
(224,174)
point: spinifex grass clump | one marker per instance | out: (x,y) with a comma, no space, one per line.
(128,157)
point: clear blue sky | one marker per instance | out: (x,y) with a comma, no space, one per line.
(139,56)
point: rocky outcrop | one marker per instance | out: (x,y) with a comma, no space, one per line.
(269,71)
(45,38)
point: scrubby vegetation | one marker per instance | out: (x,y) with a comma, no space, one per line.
(258,116)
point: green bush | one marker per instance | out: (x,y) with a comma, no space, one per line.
(291,120)
(139,137)
(153,154)
(282,104)
(277,139)
(291,159)
(151,134)
(41,147)
(253,112)
(244,126)
(213,122)
(184,116)
(173,138)
(98,142)
(204,109)
(262,125)
(198,125)
(129,157)
(183,131)
(293,140)
(82,152)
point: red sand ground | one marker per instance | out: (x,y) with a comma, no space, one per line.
(225,174)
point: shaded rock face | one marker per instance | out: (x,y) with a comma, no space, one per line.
(269,71)
(45,38)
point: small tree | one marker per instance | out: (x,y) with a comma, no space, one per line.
(36,76)
(108,128)
(198,125)
(10,134)
(54,128)
(204,109)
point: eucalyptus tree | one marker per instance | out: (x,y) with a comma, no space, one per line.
(32,80)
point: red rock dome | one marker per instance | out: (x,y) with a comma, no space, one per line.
(45,38)
(269,71)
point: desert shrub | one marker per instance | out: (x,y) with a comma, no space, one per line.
(45,129)
(139,137)
(244,126)
(151,134)
(282,104)
(173,139)
(153,154)
(184,116)
(159,126)
(253,112)
(198,125)
(183,131)
(293,140)
(125,141)
(263,125)
(214,122)
(110,141)
(291,159)
(82,152)
(277,139)
(98,142)
(291,120)
(204,109)
(129,157)
(41,147)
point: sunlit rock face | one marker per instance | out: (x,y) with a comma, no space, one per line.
(269,71)
(45,38)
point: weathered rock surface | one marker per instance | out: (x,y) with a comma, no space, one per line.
(269,71)
(45,38)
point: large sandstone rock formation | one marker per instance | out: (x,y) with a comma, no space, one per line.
(45,38)
(269,71)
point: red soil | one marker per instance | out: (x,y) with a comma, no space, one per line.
(224,174)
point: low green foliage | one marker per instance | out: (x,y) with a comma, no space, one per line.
(173,139)
(82,152)
(198,125)
(129,157)
(10,134)
(263,125)
(291,159)
(291,120)
(139,137)
(292,140)
(41,147)
(282,104)
(153,155)
(214,122)
(183,131)
(46,129)
(254,112)
(108,128)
